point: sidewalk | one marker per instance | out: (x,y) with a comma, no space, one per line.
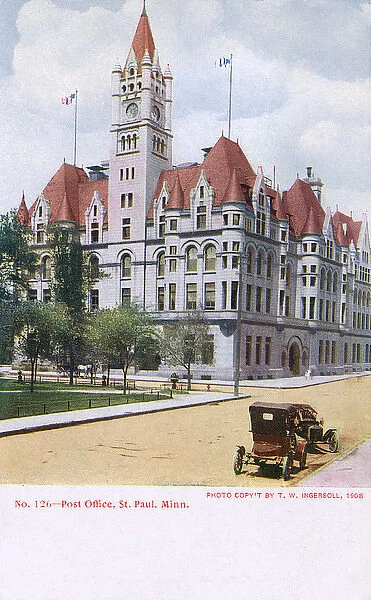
(66,419)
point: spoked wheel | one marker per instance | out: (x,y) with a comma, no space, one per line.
(333,442)
(238,461)
(286,467)
(303,459)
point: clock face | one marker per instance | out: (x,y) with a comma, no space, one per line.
(132,110)
(155,113)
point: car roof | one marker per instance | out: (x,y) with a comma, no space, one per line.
(281,406)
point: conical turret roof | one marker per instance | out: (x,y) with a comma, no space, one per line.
(22,213)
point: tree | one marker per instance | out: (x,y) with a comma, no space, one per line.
(41,329)
(123,333)
(17,264)
(185,342)
(71,281)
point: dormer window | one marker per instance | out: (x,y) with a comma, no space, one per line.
(163,201)
(95,210)
(94,234)
(40,233)
(161,227)
(132,71)
(40,211)
(202,191)
(201,217)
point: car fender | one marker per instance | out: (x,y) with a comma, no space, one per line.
(328,433)
(299,449)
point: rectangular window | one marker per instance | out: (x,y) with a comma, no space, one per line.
(248,349)
(327,318)
(249,297)
(121,174)
(172,296)
(268,341)
(172,250)
(32,295)
(268,300)
(225,218)
(224,295)
(191,299)
(127,171)
(320,351)
(312,307)
(225,246)
(313,247)
(130,199)
(94,300)
(287,306)
(123,200)
(173,224)
(201,217)
(161,227)
(202,191)
(47,295)
(320,317)
(224,262)
(125,296)
(303,307)
(346,353)
(327,352)
(125,229)
(235,262)
(236,219)
(40,234)
(133,172)
(312,281)
(172,265)
(209,296)
(333,353)
(259,297)
(234,295)
(258,347)
(94,233)
(236,246)
(208,350)
(282,301)
(161,298)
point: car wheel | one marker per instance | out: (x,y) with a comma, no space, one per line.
(333,442)
(293,442)
(237,461)
(286,467)
(303,458)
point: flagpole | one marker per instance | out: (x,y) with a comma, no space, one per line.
(230,100)
(75,144)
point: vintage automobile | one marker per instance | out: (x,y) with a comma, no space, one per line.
(283,433)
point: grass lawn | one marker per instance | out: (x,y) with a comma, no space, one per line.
(16,400)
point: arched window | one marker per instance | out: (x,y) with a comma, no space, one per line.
(45,267)
(210,258)
(123,144)
(128,139)
(323,279)
(158,144)
(335,283)
(288,275)
(191,260)
(126,266)
(134,141)
(94,267)
(161,264)
(259,263)
(329,281)
(249,260)
(162,147)
(269,266)
(154,143)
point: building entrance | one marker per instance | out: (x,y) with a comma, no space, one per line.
(294,359)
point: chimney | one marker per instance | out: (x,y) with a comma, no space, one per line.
(315,183)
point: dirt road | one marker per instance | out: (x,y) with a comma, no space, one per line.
(192,446)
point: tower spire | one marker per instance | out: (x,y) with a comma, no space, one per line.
(144,12)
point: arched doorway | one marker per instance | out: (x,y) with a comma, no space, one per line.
(294,359)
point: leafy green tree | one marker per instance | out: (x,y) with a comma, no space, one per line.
(17,264)
(41,329)
(123,333)
(185,342)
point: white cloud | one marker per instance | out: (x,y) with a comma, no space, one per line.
(300,93)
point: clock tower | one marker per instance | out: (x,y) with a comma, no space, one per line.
(141,138)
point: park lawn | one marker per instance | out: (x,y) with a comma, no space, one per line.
(17,401)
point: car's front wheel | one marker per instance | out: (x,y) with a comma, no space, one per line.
(333,442)
(286,467)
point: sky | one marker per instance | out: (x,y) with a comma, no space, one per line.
(301,87)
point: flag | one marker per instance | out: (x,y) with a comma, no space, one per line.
(68,99)
(223,62)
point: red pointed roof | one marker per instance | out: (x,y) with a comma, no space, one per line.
(223,159)
(22,213)
(312,224)
(70,192)
(143,39)
(234,192)
(63,211)
(176,199)
(352,228)
(299,200)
